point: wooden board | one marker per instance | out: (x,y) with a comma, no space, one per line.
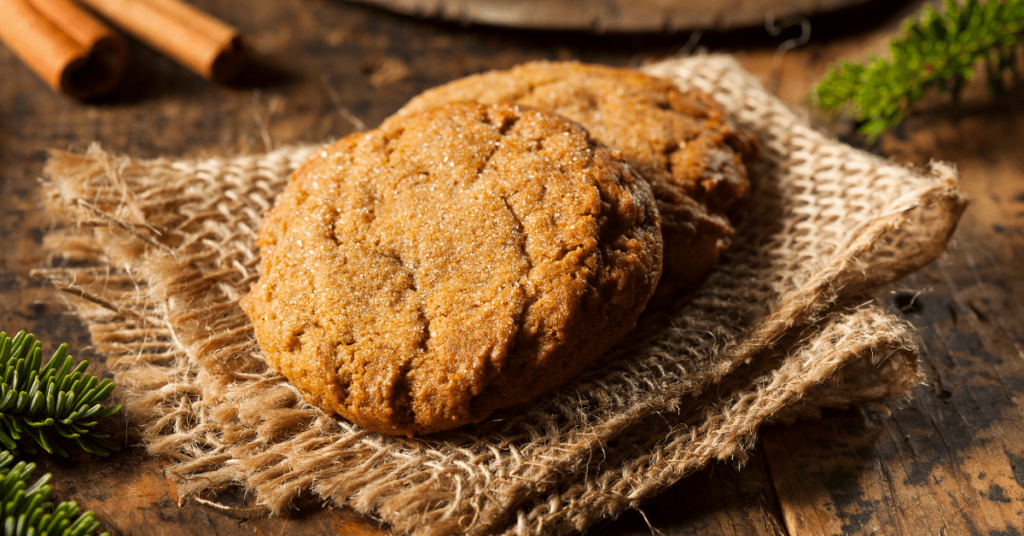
(615,16)
(950,461)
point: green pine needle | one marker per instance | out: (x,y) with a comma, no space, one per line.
(938,51)
(42,406)
(26,510)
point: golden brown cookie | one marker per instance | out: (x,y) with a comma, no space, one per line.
(677,140)
(420,276)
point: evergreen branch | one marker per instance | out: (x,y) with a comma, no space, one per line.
(26,510)
(938,51)
(38,406)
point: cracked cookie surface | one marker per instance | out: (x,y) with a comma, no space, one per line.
(678,141)
(420,276)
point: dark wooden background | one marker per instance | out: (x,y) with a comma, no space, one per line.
(950,461)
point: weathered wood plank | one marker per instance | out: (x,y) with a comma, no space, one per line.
(830,479)
(720,499)
(132,496)
(953,459)
(317,62)
(949,461)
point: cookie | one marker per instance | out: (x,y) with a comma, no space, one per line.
(677,140)
(420,276)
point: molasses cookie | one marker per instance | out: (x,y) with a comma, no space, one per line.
(678,141)
(420,276)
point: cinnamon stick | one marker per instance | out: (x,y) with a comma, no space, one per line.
(194,39)
(69,49)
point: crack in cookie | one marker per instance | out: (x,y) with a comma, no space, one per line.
(679,141)
(506,250)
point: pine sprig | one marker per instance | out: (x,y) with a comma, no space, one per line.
(41,407)
(938,51)
(25,510)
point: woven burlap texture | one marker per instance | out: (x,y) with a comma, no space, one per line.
(160,251)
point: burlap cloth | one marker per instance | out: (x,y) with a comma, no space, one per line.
(160,251)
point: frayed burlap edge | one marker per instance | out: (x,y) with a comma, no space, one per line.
(163,250)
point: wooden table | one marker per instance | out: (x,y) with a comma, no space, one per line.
(950,461)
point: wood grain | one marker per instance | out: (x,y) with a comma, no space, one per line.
(949,461)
